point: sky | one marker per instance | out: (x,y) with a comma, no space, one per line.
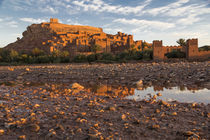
(148,20)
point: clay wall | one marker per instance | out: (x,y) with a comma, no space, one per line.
(158,51)
(192,49)
(204,55)
(138,45)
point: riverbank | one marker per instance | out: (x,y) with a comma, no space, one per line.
(73,112)
(44,102)
(188,74)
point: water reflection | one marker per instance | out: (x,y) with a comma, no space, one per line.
(180,94)
(120,91)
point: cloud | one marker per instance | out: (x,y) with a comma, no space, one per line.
(101,6)
(179,8)
(8,22)
(112,31)
(146,23)
(12,24)
(191,19)
(50,10)
(33,20)
(70,21)
(167,8)
(49,6)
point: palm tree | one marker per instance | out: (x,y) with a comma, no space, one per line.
(182,42)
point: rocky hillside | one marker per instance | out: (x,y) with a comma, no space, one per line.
(32,38)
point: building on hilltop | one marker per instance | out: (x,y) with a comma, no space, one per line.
(77,39)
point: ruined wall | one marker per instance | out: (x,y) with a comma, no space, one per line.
(204,55)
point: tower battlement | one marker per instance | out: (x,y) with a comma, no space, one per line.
(53,20)
(157,43)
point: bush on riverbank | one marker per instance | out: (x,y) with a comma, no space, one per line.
(39,56)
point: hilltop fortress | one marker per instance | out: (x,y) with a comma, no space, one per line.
(77,39)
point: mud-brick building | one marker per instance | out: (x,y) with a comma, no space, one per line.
(191,50)
(77,39)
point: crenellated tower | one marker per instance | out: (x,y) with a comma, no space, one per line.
(158,53)
(192,48)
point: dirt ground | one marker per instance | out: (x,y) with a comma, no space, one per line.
(45,102)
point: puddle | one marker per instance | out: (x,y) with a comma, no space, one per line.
(180,94)
(174,94)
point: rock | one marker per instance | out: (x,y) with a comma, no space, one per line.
(9,125)
(164,103)
(174,114)
(155,126)
(123,117)
(157,111)
(77,86)
(27,69)
(36,105)
(22,137)
(1,132)
(159,94)
(35,127)
(188,133)
(139,84)
(112,108)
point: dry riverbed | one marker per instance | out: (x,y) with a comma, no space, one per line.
(44,102)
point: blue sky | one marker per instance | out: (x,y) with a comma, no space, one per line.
(166,20)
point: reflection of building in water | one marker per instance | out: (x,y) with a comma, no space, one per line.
(111,90)
(158,88)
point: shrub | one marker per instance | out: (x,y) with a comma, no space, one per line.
(138,55)
(107,56)
(91,58)
(14,56)
(24,58)
(148,54)
(123,56)
(80,58)
(43,59)
(175,54)
(37,52)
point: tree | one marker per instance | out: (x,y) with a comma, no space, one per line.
(37,52)
(13,55)
(182,42)
(144,45)
(95,48)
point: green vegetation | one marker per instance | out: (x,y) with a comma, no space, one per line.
(204,48)
(35,56)
(176,54)
(182,42)
(39,56)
